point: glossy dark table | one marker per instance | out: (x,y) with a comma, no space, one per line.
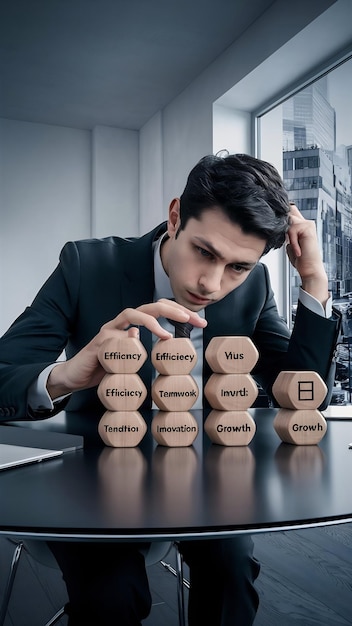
(153,492)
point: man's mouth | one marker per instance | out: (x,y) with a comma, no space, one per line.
(198,299)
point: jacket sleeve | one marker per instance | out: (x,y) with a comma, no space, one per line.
(311,346)
(38,337)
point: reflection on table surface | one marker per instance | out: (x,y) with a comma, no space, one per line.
(153,490)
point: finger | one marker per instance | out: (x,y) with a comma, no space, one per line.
(164,307)
(294,211)
(177,312)
(133,332)
(146,315)
(292,257)
(296,218)
(293,247)
(172,310)
(135,318)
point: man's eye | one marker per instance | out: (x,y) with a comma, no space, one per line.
(204,252)
(239,269)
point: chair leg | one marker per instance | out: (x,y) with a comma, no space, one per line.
(180,593)
(181,583)
(56,617)
(14,564)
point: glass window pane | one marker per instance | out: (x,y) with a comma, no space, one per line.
(316,148)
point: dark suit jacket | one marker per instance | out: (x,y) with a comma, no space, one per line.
(98,278)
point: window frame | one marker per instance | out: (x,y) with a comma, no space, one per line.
(307,79)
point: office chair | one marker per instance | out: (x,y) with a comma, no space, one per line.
(40,552)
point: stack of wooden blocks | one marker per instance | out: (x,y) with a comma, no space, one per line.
(230,391)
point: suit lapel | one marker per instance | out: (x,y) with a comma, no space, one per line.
(137,281)
(137,286)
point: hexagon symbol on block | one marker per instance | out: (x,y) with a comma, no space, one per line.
(299,390)
(230,428)
(122,392)
(174,356)
(174,428)
(231,392)
(124,355)
(175,393)
(231,355)
(122,429)
(303,427)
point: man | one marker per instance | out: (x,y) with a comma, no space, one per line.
(207,258)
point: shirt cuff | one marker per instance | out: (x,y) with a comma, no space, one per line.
(314,305)
(38,397)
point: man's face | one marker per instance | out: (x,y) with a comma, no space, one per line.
(209,258)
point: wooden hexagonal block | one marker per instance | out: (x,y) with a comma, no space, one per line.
(174,356)
(124,355)
(231,392)
(302,427)
(175,393)
(122,392)
(122,429)
(231,355)
(230,428)
(299,390)
(174,428)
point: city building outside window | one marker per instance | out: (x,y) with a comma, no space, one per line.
(316,145)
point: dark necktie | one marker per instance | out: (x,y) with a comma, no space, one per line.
(182,329)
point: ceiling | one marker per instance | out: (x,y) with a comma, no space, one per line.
(82,63)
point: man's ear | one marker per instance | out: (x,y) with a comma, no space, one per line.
(174,217)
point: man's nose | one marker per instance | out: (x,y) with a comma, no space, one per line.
(210,281)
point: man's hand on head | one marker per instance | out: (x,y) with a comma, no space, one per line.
(304,254)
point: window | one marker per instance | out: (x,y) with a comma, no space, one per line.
(316,147)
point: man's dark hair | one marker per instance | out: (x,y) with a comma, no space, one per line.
(248,190)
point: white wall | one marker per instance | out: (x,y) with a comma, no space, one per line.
(151,207)
(231,129)
(44,200)
(115,182)
(59,184)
